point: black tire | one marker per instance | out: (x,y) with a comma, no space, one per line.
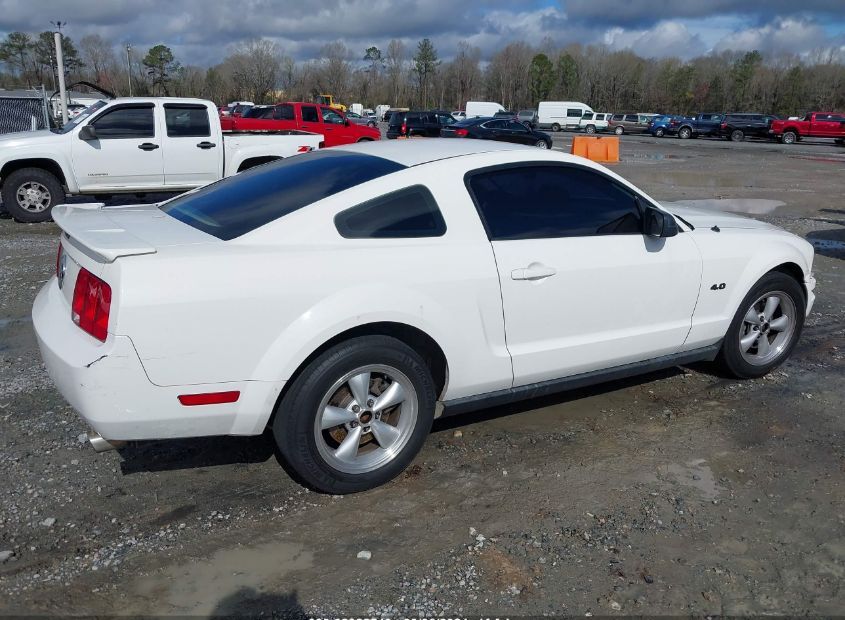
(789,137)
(659,132)
(31,175)
(737,135)
(684,133)
(555,127)
(730,356)
(590,129)
(619,130)
(295,416)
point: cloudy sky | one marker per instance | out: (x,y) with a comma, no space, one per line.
(201,31)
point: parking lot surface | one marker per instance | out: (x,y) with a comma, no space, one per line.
(679,492)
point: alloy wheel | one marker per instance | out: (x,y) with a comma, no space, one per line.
(365,419)
(33,196)
(767,328)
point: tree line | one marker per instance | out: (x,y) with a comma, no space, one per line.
(517,76)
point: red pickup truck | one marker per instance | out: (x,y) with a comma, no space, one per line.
(312,117)
(813,125)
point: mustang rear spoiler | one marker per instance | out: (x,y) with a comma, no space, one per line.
(90,228)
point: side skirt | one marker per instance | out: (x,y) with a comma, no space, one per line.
(553,386)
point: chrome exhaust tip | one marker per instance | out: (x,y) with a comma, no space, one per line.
(100,444)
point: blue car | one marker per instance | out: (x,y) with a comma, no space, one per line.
(663,125)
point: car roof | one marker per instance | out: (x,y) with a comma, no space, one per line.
(425,150)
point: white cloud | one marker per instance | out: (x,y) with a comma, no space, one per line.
(788,35)
(667,38)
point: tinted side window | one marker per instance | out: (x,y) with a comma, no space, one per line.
(515,126)
(618,117)
(533,202)
(246,201)
(588,115)
(574,112)
(284,113)
(330,116)
(126,122)
(309,114)
(631,118)
(404,214)
(184,121)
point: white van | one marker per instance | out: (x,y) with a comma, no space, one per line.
(482,108)
(557,115)
(380,110)
(358,108)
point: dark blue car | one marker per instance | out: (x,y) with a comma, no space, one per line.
(664,125)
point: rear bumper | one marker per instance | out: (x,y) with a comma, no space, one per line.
(107,385)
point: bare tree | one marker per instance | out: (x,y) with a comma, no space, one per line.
(100,60)
(255,70)
(396,70)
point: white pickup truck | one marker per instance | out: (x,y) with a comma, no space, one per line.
(131,145)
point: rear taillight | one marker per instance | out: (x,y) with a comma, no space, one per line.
(724,125)
(91,304)
(673,122)
(463,133)
(404,128)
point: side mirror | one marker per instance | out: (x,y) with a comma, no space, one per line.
(87,133)
(657,223)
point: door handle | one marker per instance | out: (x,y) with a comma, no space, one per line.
(148,146)
(206,145)
(534,271)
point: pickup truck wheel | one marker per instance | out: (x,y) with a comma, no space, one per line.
(29,194)
(619,130)
(766,327)
(737,136)
(356,416)
(789,137)
(684,133)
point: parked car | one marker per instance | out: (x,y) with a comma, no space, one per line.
(629,123)
(236,108)
(390,113)
(593,122)
(368,121)
(131,145)
(738,126)
(419,124)
(259,111)
(491,273)
(482,108)
(557,115)
(459,115)
(706,124)
(499,129)
(813,125)
(317,118)
(664,125)
(528,118)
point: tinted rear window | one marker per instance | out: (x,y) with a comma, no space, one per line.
(397,118)
(239,204)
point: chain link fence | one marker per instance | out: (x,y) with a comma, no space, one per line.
(23,111)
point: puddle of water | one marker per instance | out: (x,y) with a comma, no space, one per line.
(828,244)
(749,206)
(694,474)
(654,157)
(8,322)
(196,588)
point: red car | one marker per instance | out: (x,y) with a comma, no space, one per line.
(813,125)
(313,117)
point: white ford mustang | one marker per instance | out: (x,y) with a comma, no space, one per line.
(349,296)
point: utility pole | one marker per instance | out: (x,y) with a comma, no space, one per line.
(129,66)
(60,68)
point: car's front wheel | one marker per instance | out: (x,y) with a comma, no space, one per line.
(766,327)
(357,415)
(590,129)
(542,144)
(29,194)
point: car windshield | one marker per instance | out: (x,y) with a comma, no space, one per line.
(241,203)
(76,120)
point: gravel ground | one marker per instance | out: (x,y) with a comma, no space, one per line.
(680,492)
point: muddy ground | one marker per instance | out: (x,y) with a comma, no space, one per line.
(680,492)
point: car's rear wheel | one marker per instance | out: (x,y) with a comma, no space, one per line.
(357,415)
(619,130)
(555,127)
(659,132)
(29,194)
(737,135)
(789,137)
(684,133)
(766,327)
